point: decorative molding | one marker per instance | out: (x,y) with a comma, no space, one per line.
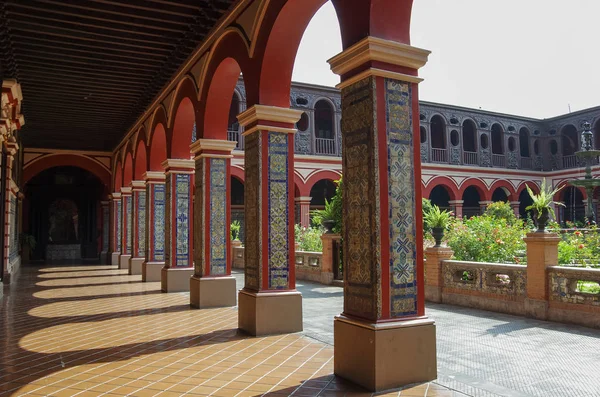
(269,113)
(379,73)
(217,145)
(179,164)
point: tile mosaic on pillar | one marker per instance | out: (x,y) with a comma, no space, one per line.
(138,234)
(126,224)
(116,228)
(104,254)
(153,239)
(212,284)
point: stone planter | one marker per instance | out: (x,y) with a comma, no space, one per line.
(541,219)
(438,235)
(328,225)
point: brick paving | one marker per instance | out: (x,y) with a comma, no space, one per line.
(96,331)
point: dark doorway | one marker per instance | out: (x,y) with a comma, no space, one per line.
(471,199)
(439,196)
(321,191)
(64,217)
(499,195)
(524,202)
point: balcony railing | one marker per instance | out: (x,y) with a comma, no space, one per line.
(526,163)
(570,161)
(233,134)
(498,160)
(439,155)
(470,158)
(325,146)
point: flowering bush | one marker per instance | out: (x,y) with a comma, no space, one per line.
(579,246)
(309,239)
(488,238)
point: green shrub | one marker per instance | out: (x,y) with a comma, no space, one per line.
(332,211)
(501,210)
(309,239)
(234,230)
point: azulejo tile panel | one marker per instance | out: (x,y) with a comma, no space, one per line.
(253,198)
(141,224)
(182,219)
(105,227)
(14,239)
(218,216)
(128,218)
(360,227)
(278,211)
(159,222)
(401,197)
(119,228)
(200,218)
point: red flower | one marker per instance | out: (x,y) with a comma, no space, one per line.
(581,246)
(578,233)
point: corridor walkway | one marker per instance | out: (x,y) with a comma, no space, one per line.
(96,331)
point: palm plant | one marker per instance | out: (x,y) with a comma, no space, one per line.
(438,220)
(542,204)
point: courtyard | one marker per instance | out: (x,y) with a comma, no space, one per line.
(95,330)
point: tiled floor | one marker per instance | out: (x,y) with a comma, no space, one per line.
(92,330)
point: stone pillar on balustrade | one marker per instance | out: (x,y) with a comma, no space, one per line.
(117,228)
(212,284)
(516,206)
(105,239)
(542,251)
(434,277)
(126,224)
(483,205)
(269,302)
(330,261)
(304,204)
(179,199)
(155,226)
(138,227)
(456,206)
(383,339)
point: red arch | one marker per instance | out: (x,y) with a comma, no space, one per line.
(447,183)
(128,170)
(181,133)
(141,160)
(316,177)
(483,191)
(238,173)
(523,186)
(158,148)
(512,194)
(118,177)
(62,160)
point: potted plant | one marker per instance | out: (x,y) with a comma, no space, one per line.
(326,217)
(438,221)
(542,205)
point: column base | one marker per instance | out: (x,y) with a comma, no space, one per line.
(174,279)
(208,292)
(384,356)
(268,313)
(114,258)
(104,257)
(535,308)
(135,266)
(151,271)
(124,261)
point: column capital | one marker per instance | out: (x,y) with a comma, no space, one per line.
(214,148)
(456,202)
(126,191)
(116,196)
(138,185)
(303,199)
(269,118)
(179,166)
(104,203)
(485,202)
(154,176)
(373,50)
(12,148)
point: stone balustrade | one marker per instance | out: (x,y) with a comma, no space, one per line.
(566,302)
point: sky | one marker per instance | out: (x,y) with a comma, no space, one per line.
(530,58)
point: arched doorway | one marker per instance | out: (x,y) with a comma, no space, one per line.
(439,152)
(440,196)
(324,128)
(498,159)
(237,203)
(469,132)
(321,191)
(524,202)
(574,209)
(500,194)
(471,199)
(569,141)
(64,215)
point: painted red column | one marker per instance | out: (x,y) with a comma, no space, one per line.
(126,223)
(304,203)
(179,263)
(212,284)
(105,219)
(515,205)
(155,226)
(270,283)
(138,227)
(382,339)
(117,228)
(483,205)
(457,207)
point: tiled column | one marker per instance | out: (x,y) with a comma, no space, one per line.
(483,206)
(457,207)
(269,302)
(179,265)
(515,205)
(138,229)
(304,203)
(155,226)
(117,228)
(383,339)
(9,203)
(212,284)
(105,216)
(127,222)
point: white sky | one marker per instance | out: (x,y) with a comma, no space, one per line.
(523,57)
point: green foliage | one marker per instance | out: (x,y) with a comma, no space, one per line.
(234,230)
(427,206)
(589,287)
(487,238)
(501,210)
(332,211)
(309,239)
(543,200)
(435,217)
(580,247)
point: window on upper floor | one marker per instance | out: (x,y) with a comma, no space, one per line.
(524,142)
(497,139)
(438,132)
(569,140)
(469,132)
(324,120)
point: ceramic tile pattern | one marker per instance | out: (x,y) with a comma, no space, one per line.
(159,194)
(218,216)
(182,218)
(141,224)
(129,222)
(66,336)
(119,230)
